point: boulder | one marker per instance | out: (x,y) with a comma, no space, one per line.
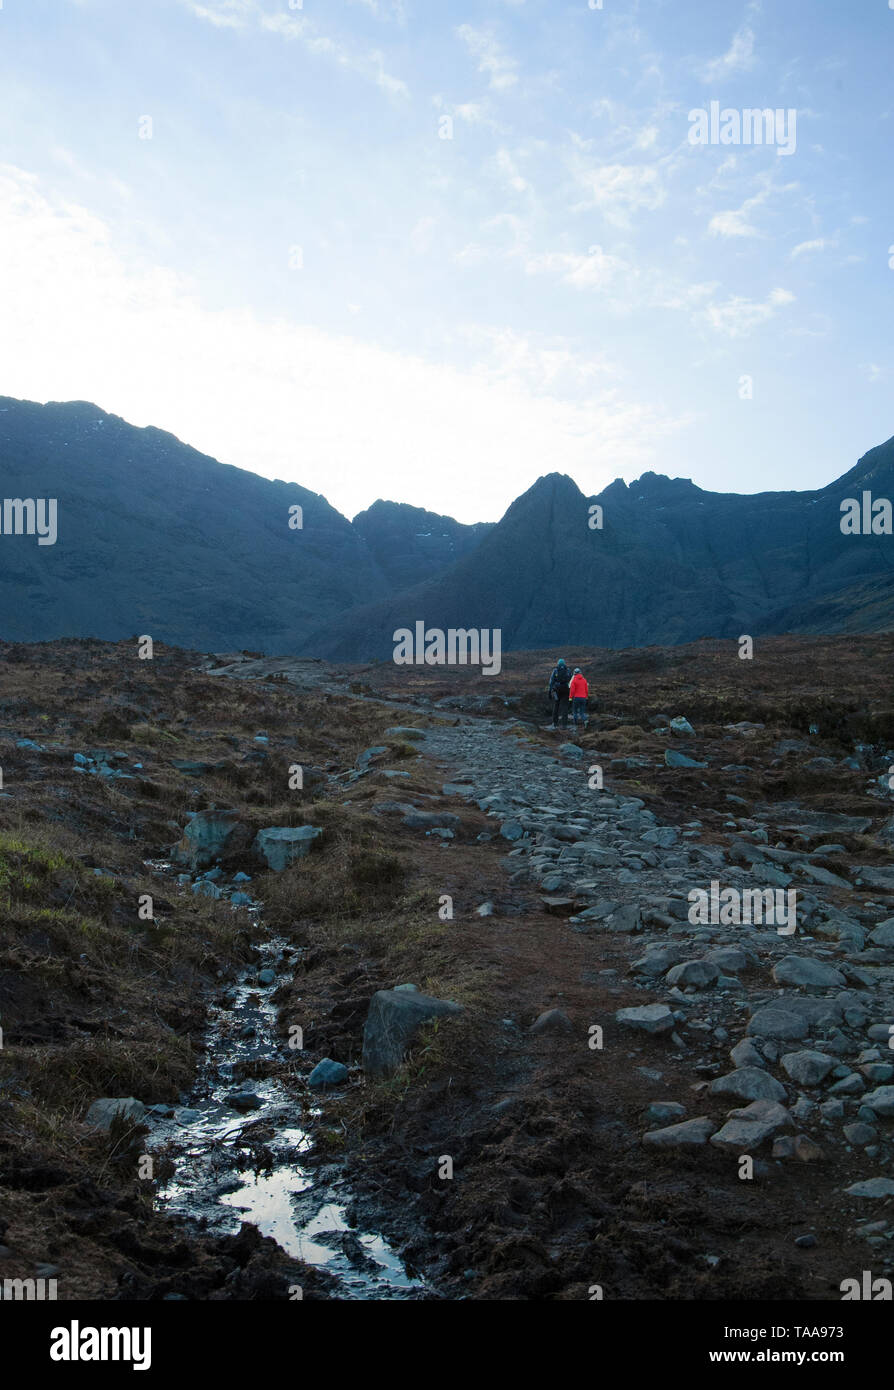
(693,974)
(802,970)
(807,1068)
(327,1073)
(647,1018)
(871,1187)
(748,1083)
(675,759)
(394,1017)
(552,1021)
(688,1135)
(405,731)
(211,836)
(661,1112)
(750,1127)
(881,1101)
(102,1112)
(883,934)
(280,845)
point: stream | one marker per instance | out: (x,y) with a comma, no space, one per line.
(238,1144)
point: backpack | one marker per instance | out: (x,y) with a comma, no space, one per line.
(561,678)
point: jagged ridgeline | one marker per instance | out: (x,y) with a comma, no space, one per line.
(156,537)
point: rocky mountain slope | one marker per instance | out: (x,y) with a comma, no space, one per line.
(154,537)
(671,563)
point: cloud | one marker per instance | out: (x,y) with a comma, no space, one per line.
(818,244)
(734,222)
(594,271)
(242,14)
(618,190)
(341,415)
(739,57)
(738,316)
(509,171)
(482,44)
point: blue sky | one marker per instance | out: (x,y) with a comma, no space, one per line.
(432,251)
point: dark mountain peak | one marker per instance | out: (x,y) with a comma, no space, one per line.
(653,484)
(874,469)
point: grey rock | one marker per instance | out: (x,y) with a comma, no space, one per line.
(552,1021)
(211,835)
(803,970)
(393,1020)
(647,1018)
(883,934)
(872,1187)
(327,1073)
(690,1134)
(662,1112)
(860,1134)
(807,1068)
(881,1101)
(745,1054)
(748,1083)
(280,845)
(102,1112)
(693,974)
(675,759)
(748,1128)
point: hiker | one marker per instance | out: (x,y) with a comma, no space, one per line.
(579,690)
(559,682)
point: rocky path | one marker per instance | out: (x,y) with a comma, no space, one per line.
(793,1021)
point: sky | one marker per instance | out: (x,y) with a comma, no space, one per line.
(430,250)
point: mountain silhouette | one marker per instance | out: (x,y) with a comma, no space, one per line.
(155,537)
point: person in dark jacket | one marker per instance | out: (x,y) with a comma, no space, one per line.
(559,683)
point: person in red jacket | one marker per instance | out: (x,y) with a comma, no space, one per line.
(579,690)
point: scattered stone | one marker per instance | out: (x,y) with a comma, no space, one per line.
(690,1134)
(807,1068)
(747,1129)
(280,845)
(748,1083)
(802,970)
(693,974)
(552,1021)
(243,1101)
(674,759)
(394,1018)
(881,1101)
(327,1073)
(872,1187)
(662,1112)
(647,1018)
(102,1112)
